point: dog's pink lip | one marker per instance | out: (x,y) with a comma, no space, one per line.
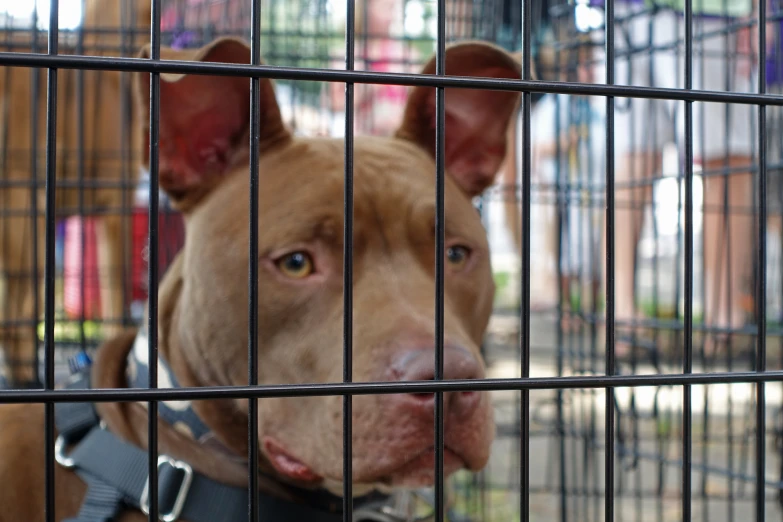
(286,464)
(419,467)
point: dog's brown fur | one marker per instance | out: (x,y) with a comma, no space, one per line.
(203,320)
(111,159)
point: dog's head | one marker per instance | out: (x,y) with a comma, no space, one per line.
(204,151)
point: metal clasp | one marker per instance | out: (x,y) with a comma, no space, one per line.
(182,495)
(60,456)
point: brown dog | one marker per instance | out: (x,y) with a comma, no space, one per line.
(111,163)
(203,298)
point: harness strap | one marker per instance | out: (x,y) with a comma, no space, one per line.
(101,503)
(74,420)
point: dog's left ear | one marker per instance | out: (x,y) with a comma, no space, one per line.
(476,120)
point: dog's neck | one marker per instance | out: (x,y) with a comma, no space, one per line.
(180,415)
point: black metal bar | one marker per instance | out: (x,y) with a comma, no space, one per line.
(687,435)
(384,387)
(524,327)
(49,267)
(333,75)
(252,345)
(350,43)
(129,22)
(4,141)
(761,298)
(80,112)
(440,228)
(35,88)
(152,276)
(562,213)
(609,461)
(72,184)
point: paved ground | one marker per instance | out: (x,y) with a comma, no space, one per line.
(567,460)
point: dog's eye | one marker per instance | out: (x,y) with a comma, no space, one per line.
(296,265)
(457,256)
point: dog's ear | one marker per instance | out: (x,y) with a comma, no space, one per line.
(476,120)
(205,120)
(517,56)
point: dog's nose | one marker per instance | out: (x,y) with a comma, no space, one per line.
(419,365)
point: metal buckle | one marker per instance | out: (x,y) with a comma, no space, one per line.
(59,450)
(182,495)
(60,456)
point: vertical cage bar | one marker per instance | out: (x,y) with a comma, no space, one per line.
(128,45)
(559,176)
(524,329)
(80,177)
(49,268)
(35,88)
(610,276)
(350,28)
(761,298)
(440,227)
(152,285)
(252,345)
(687,430)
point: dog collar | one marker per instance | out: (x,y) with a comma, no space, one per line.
(178,414)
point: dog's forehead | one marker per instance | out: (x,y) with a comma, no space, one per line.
(314,170)
(301,190)
(395,168)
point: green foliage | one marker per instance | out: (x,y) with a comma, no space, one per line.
(501,280)
(70,331)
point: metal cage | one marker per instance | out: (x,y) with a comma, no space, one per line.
(669,430)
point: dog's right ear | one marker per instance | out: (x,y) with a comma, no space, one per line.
(205,121)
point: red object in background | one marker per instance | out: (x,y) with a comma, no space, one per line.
(139,263)
(72,269)
(171,237)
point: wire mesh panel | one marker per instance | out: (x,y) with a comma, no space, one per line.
(678,267)
(264,215)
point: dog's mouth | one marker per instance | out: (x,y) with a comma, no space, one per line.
(419,469)
(416,470)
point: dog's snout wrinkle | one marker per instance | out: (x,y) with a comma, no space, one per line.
(397,283)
